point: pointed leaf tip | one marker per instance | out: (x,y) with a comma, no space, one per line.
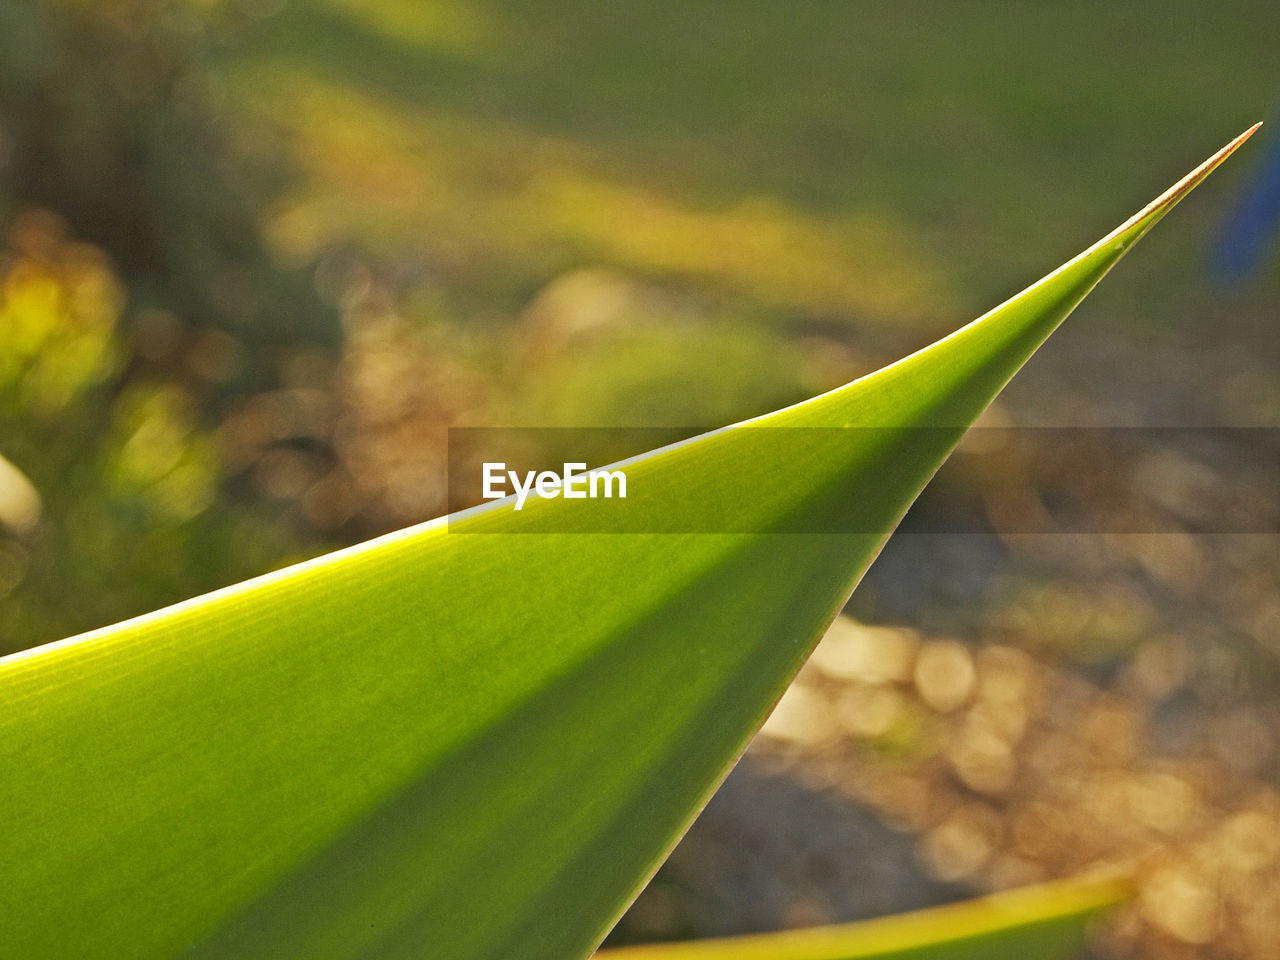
(1162,204)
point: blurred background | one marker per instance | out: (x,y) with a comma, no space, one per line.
(258,256)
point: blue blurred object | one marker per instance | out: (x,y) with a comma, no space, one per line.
(1252,224)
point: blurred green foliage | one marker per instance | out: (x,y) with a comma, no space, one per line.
(110,115)
(133,312)
(110,487)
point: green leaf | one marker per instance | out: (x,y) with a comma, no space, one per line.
(454,743)
(1045,922)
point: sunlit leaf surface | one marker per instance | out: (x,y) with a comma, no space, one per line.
(470,746)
